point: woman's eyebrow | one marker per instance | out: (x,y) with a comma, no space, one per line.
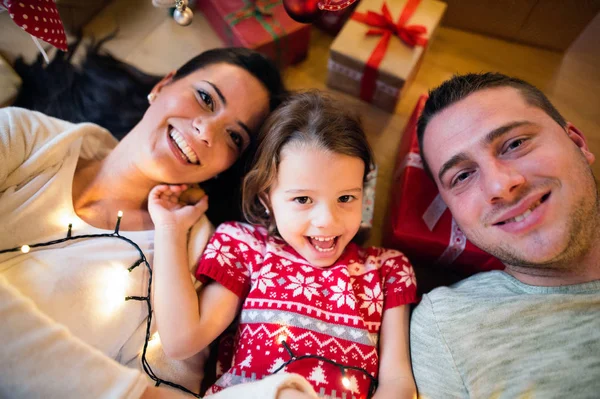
(224,101)
(219,93)
(243,126)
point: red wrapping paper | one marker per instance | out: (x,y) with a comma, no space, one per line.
(413,192)
(293,37)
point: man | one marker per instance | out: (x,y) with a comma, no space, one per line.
(518,181)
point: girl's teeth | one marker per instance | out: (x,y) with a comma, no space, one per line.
(323,244)
(324,249)
(323,238)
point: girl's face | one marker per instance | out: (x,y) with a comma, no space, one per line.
(317,201)
(199,125)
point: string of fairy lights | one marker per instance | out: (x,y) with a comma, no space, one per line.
(26,248)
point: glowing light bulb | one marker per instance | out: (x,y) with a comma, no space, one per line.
(115,281)
(346,382)
(281,338)
(120,214)
(154,339)
(25,249)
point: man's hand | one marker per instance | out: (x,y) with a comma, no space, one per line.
(167,209)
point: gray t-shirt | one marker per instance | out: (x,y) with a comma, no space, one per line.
(491,336)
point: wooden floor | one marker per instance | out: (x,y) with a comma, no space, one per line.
(151,40)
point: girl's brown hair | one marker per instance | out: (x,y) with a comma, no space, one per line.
(308,118)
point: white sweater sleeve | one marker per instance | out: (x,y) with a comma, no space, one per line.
(40,358)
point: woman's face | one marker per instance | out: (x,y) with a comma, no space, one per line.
(198,126)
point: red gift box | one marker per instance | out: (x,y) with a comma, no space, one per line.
(262,25)
(420,225)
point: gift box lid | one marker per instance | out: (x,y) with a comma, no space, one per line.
(352,45)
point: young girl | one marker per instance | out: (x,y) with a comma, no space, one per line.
(312,302)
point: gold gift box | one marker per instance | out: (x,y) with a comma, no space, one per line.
(352,48)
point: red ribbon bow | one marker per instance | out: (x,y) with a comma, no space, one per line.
(386,27)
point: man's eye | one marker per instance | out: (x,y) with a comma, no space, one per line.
(237,139)
(515,144)
(460,178)
(207,99)
(346,198)
(302,200)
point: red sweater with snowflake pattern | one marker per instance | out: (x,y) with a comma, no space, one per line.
(332,312)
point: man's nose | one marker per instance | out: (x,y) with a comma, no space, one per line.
(501,181)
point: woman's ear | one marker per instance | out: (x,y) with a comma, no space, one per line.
(579,139)
(163,82)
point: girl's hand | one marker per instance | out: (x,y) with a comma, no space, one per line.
(167,210)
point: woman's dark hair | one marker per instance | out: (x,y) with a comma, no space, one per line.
(309,118)
(113,94)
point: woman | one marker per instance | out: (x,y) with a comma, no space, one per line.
(64,318)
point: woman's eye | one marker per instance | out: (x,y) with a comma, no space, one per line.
(302,200)
(346,198)
(207,99)
(237,139)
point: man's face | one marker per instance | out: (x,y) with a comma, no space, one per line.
(517,183)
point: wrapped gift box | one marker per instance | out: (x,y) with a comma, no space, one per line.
(262,25)
(419,224)
(379,50)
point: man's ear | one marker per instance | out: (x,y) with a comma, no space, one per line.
(163,82)
(579,139)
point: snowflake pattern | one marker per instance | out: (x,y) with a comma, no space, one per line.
(264,278)
(219,252)
(373,300)
(407,276)
(303,285)
(343,294)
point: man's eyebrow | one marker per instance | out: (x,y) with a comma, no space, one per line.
(449,164)
(487,140)
(502,130)
(219,93)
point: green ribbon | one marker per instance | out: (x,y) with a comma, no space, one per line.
(258,9)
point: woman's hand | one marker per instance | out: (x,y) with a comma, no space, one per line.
(167,210)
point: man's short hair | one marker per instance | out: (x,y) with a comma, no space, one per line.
(461,86)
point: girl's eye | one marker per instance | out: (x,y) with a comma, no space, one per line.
(460,178)
(237,139)
(207,99)
(302,200)
(346,198)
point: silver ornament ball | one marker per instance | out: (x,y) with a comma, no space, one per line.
(184,17)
